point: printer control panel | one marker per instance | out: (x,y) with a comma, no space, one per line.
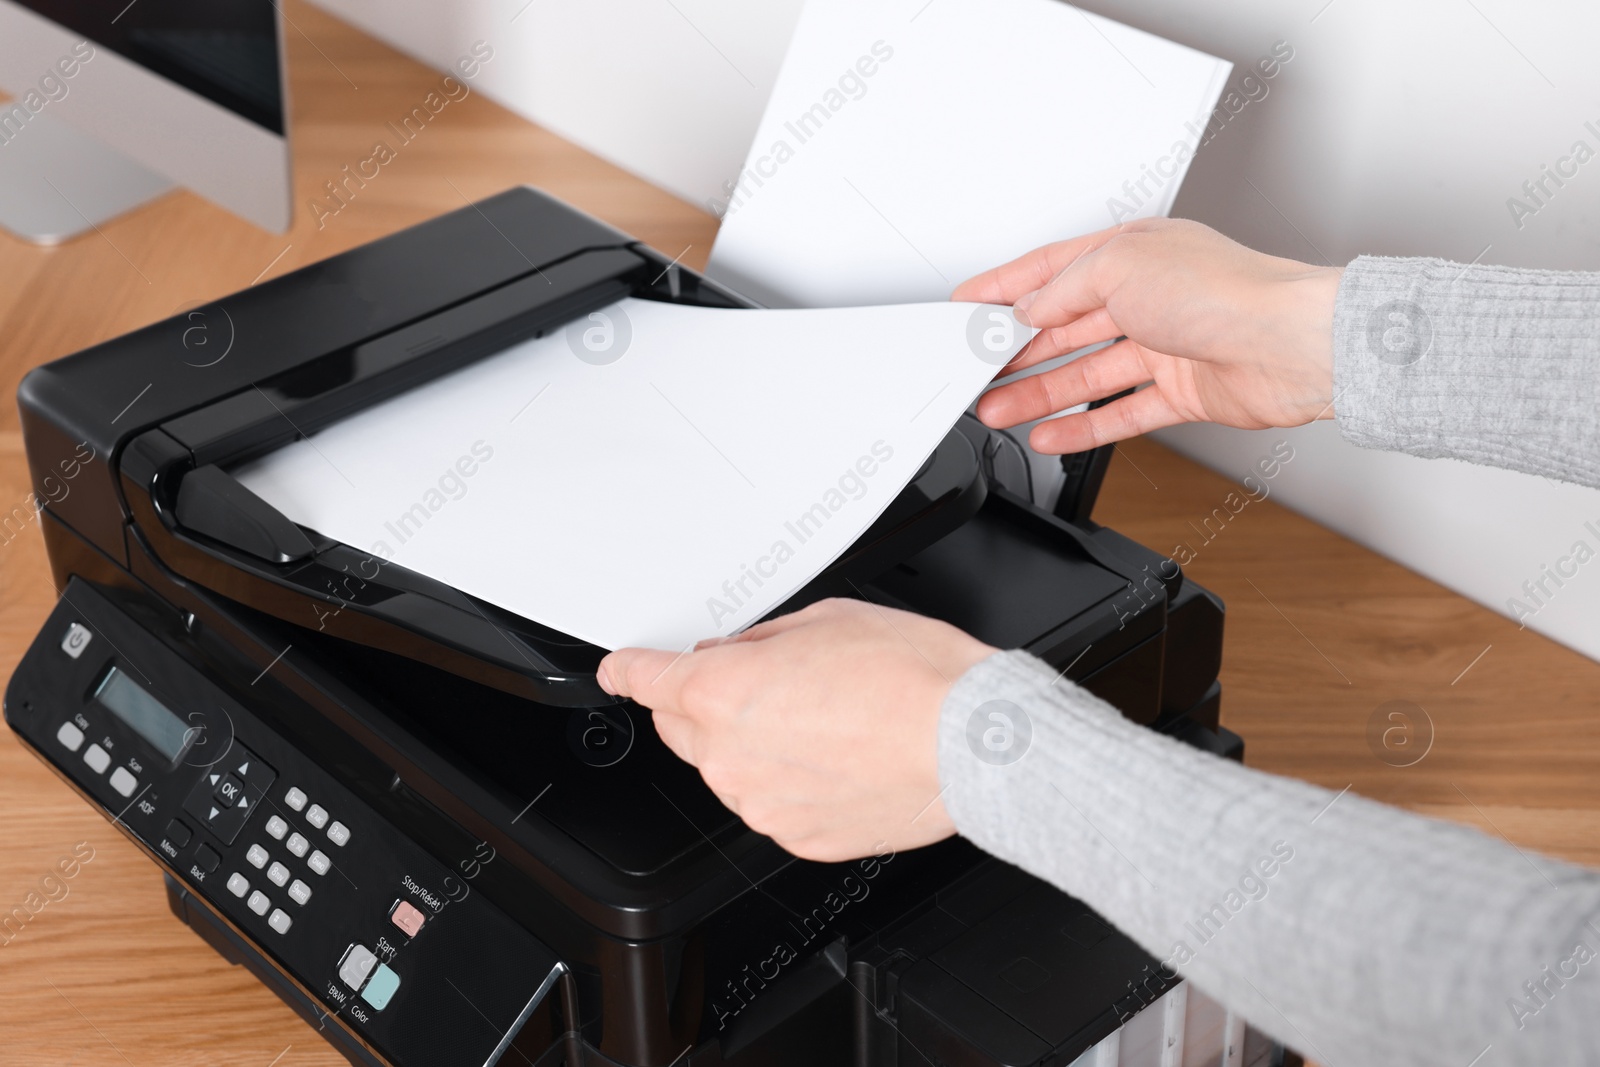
(417,967)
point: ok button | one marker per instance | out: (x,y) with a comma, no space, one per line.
(229,792)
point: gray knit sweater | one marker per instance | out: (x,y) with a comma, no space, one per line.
(1356,933)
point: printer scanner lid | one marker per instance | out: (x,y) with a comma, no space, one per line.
(167,411)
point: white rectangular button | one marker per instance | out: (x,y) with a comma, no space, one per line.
(276,827)
(277,874)
(319,862)
(295,798)
(280,921)
(238,884)
(338,833)
(357,964)
(70,736)
(297,844)
(317,816)
(76,640)
(299,892)
(123,781)
(258,902)
(97,758)
(257,856)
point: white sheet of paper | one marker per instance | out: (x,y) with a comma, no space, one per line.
(909,145)
(656,473)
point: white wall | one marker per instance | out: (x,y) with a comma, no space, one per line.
(1402,129)
(669,89)
(1398,128)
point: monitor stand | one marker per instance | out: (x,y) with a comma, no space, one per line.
(57,183)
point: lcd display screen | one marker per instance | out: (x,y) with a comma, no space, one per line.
(147,716)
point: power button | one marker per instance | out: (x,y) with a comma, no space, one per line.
(77,640)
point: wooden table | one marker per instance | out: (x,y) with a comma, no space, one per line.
(1320,631)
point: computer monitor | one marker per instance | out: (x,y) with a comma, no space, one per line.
(113,103)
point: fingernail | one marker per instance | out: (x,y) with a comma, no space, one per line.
(604,678)
(1020,308)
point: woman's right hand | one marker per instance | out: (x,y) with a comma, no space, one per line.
(1222,334)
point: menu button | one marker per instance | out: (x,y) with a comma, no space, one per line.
(177,833)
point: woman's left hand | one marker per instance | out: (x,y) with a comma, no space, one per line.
(819,728)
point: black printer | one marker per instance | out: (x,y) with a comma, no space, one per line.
(418,819)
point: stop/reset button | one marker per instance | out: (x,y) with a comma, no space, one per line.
(406,916)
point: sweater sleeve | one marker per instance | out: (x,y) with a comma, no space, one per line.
(1354,932)
(1492,365)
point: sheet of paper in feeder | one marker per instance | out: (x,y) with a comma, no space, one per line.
(656,473)
(909,145)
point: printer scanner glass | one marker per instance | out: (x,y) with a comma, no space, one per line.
(147,716)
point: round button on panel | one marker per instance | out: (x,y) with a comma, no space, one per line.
(295,798)
(258,902)
(297,844)
(317,816)
(238,884)
(277,874)
(339,834)
(276,828)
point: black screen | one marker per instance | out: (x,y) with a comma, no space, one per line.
(224,50)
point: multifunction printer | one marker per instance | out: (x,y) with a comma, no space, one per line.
(417,817)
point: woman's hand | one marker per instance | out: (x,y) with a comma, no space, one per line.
(820,728)
(1226,334)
